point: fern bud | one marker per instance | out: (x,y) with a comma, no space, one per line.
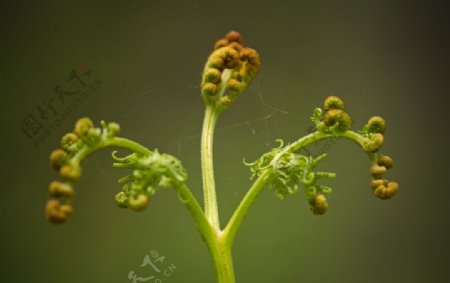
(57,213)
(82,126)
(68,140)
(234,36)
(337,120)
(319,204)
(59,189)
(138,203)
(212,75)
(377,170)
(113,129)
(386,192)
(385,161)
(376,124)
(375,142)
(58,158)
(209,89)
(121,200)
(333,102)
(375,183)
(70,172)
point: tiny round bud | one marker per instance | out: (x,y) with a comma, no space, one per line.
(209,89)
(333,102)
(234,36)
(386,161)
(376,124)
(375,143)
(58,158)
(82,126)
(138,203)
(70,172)
(235,86)
(375,183)
(113,129)
(68,140)
(220,43)
(54,213)
(229,55)
(338,120)
(59,189)
(212,75)
(386,192)
(319,205)
(121,200)
(250,55)
(215,61)
(377,170)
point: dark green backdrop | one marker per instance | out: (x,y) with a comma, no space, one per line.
(382,57)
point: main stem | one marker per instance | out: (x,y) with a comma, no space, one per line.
(209,187)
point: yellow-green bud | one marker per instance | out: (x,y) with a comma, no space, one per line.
(212,75)
(375,183)
(333,102)
(386,161)
(229,56)
(113,129)
(376,124)
(377,170)
(138,203)
(82,126)
(68,140)
(57,213)
(375,143)
(209,89)
(59,189)
(121,200)
(235,86)
(386,192)
(70,172)
(58,158)
(319,204)
(215,61)
(337,119)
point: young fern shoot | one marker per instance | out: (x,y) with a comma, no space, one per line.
(228,71)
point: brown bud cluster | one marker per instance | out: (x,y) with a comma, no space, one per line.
(382,188)
(228,70)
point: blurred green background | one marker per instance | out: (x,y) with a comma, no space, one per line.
(382,57)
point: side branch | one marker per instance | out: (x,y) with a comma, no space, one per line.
(235,221)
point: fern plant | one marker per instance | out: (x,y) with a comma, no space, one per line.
(228,71)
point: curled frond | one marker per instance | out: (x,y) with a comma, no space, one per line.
(290,171)
(150,172)
(150,169)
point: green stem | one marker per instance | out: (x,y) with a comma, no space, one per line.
(209,189)
(117,142)
(222,259)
